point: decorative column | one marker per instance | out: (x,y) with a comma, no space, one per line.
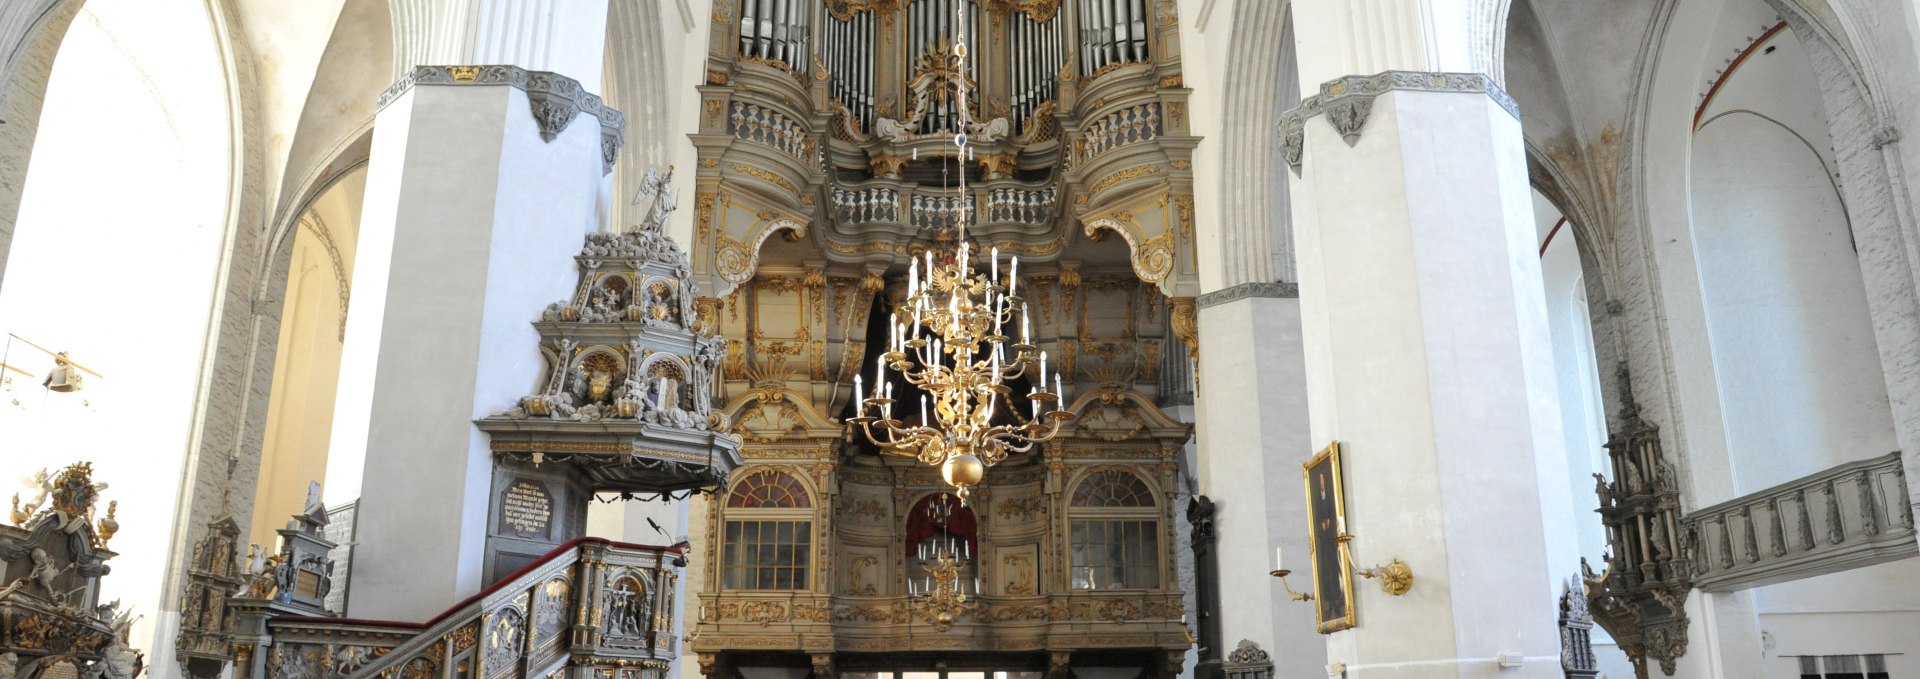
(1427,354)
(482,183)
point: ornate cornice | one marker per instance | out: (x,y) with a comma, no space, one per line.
(1348,100)
(555,99)
(1246,290)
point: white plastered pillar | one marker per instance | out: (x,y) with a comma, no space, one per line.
(1427,348)
(1252,436)
(475,206)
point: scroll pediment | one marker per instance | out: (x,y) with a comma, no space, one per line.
(1116,413)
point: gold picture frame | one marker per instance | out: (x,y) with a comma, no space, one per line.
(1326,528)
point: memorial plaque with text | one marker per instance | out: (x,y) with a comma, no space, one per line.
(526,510)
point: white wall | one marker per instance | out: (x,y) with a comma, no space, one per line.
(1799,374)
(121,228)
(1799,378)
(1786,310)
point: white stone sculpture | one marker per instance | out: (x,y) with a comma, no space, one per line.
(892,130)
(990,131)
(659,187)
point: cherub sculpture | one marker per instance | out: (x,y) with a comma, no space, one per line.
(39,485)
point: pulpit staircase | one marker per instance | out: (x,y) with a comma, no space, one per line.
(589,603)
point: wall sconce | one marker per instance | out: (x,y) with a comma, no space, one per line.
(1282,574)
(1396,577)
(1280,571)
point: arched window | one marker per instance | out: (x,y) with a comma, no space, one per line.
(769,533)
(1113,533)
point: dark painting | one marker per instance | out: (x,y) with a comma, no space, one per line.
(1326,505)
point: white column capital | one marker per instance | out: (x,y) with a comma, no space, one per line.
(555,100)
(1347,101)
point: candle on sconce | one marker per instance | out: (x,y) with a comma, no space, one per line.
(1341,524)
(1279,559)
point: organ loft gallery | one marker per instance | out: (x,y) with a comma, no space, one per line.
(959,339)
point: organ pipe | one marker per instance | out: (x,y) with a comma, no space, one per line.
(775,31)
(1111,32)
(848,54)
(1035,60)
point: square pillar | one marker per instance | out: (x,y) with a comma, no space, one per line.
(483,181)
(1428,358)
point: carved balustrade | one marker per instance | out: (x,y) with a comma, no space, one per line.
(1121,127)
(866,206)
(1013,209)
(601,606)
(1846,517)
(769,126)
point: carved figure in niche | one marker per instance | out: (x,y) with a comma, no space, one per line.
(9,665)
(1663,478)
(1632,482)
(1657,540)
(1601,488)
(661,306)
(603,306)
(707,354)
(627,604)
(892,130)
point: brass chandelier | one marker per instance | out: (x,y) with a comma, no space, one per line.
(943,595)
(945,339)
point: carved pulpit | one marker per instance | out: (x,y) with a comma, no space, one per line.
(51,563)
(625,406)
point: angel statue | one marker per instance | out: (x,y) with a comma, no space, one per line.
(118,660)
(659,187)
(40,485)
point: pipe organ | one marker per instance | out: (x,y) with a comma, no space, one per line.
(775,31)
(934,27)
(1112,32)
(814,188)
(849,63)
(1035,56)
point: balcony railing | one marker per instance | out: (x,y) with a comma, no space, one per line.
(1846,517)
(593,605)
